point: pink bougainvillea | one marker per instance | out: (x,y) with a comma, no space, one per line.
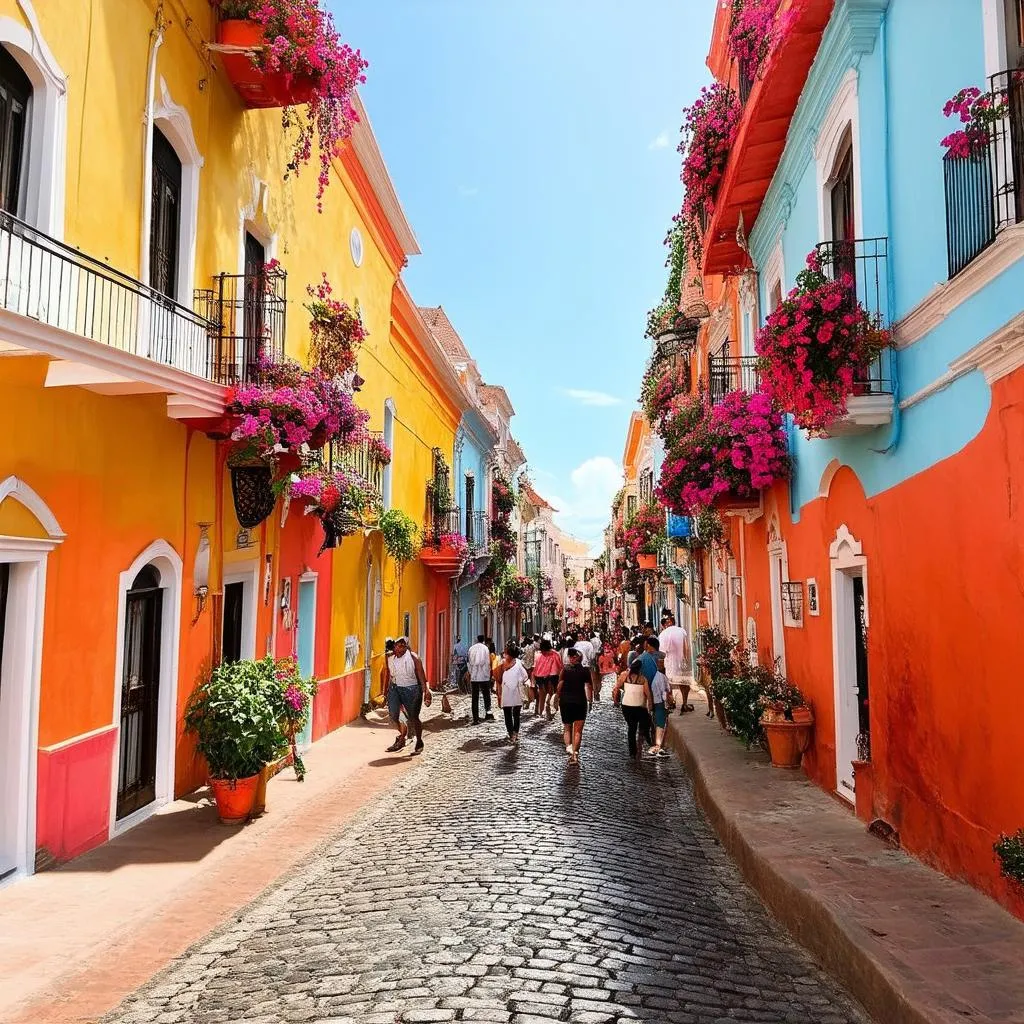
(336,330)
(302,41)
(977,112)
(755,30)
(645,531)
(816,348)
(709,130)
(737,448)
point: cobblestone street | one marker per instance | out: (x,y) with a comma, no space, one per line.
(495,884)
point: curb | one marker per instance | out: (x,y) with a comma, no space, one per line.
(833,942)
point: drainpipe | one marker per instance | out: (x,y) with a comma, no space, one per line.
(156,39)
(896,430)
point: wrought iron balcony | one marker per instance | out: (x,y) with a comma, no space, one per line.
(360,459)
(745,82)
(441,521)
(985,192)
(731,373)
(478,531)
(249,313)
(53,284)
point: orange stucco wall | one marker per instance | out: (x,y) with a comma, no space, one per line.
(945,605)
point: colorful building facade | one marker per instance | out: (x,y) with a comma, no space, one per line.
(883,577)
(135,293)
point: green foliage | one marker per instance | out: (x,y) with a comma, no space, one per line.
(717,650)
(1010,851)
(740,694)
(235,720)
(399,532)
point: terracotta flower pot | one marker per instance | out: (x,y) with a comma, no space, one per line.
(258,88)
(723,721)
(864,790)
(235,798)
(647,561)
(787,742)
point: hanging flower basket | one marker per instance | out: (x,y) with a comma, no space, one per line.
(337,525)
(253,494)
(647,561)
(259,89)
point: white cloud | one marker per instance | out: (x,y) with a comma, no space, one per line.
(585,506)
(599,399)
(660,141)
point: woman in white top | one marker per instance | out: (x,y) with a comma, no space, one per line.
(512,679)
(637,704)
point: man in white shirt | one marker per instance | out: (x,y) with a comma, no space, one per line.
(586,648)
(406,686)
(479,668)
(674,648)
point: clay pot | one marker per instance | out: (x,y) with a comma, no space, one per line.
(647,561)
(864,790)
(803,715)
(235,798)
(787,742)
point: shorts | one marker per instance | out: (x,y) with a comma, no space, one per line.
(408,697)
(680,680)
(660,716)
(551,681)
(573,713)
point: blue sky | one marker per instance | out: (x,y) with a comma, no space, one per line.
(533,148)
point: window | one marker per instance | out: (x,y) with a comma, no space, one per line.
(844,221)
(470,493)
(646,485)
(630,506)
(389,440)
(254,313)
(231,643)
(163,233)
(15,95)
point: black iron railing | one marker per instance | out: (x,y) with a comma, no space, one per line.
(731,373)
(746,82)
(985,191)
(359,458)
(54,284)
(478,531)
(864,264)
(441,521)
(249,313)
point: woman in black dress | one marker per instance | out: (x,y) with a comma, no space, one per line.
(575,692)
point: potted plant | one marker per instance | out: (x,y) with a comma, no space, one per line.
(335,331)
(289,54)
(785,717)
(399,533)
(339,498)
(645,535)
(816,348)
(237,732)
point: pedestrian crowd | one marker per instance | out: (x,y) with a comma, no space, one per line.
(567,674)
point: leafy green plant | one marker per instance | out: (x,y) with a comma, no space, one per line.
(741,695)
(399,532)
(235,719)
(716,657)
(778,695)
(1010,851)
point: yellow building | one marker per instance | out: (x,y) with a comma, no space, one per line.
(140,199)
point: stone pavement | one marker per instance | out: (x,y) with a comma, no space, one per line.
(75,941)
(497,884)
(914,946)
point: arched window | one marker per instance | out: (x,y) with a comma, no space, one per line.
(15,98)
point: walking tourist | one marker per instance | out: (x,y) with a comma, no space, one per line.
(512,680)
(605,669)
(575,692)
(406,684)
(527,657)
(635,694)
(674,645)
(547,667)
(479,667)
(660,694)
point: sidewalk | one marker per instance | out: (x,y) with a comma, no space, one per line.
(75,941)
(913,946)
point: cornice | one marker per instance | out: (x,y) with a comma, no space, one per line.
(851,33)
(998,355)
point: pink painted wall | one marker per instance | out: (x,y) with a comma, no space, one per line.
(338,702)
(73,795)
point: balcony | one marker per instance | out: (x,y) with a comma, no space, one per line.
(478,532)
(985,193)
(442,558)
(864,262)
(731,373)
(102,329)
(359,459)
(249,316)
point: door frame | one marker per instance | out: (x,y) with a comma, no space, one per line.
(846,561)
(307,577)
(22,668)
(422,629)
(169,564)
(778,569)
(246,572)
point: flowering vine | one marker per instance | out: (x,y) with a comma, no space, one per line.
(301,42)
(817,346)
(755,31)
(737,448)
(977,112)
(336,330)
(645,531)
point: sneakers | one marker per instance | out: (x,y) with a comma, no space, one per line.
(396,746)
(568,749)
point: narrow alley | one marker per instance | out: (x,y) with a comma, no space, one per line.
(498,884)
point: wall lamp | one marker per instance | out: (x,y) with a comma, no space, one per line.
(201,571)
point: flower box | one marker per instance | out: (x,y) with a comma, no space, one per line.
(731,502)
(864,413)
(258,89)
(647,561)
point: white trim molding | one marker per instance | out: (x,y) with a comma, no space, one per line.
(842,115)
(176,125)
(20,679)
(47,135)
(168,563)
(998,355)
(942,300)
(774,270)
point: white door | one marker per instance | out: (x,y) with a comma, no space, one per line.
(778,636)
(368,632)
(846,612)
